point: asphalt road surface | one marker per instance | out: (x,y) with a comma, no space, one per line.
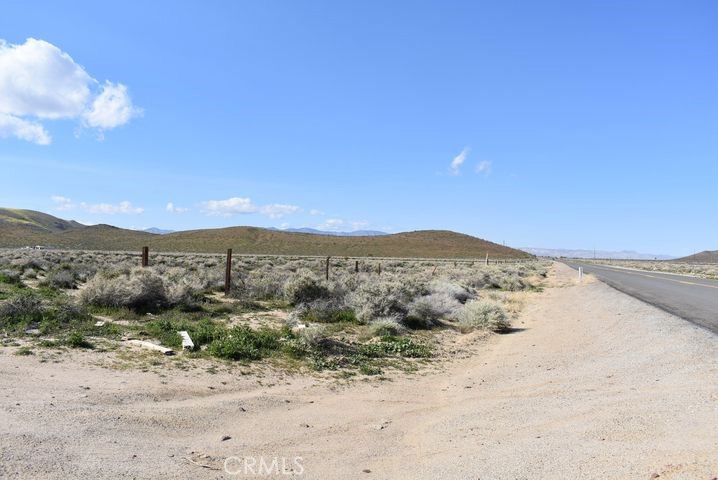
(691,298)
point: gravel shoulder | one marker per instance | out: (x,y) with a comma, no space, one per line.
(592,384)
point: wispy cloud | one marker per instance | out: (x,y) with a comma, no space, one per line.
(458,161)
(338,224)
(38,81)
(244,205)
(483,167)
(278,210)
(125,207)
(172,208)
(62,203)
(331,224)
(111,209)
(229,207)
(359,225)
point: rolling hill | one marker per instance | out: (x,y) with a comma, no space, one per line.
(20,228)
(708,256)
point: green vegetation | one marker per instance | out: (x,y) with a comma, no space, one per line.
(281,309)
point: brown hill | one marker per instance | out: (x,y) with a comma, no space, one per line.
(709,256)
(250,240)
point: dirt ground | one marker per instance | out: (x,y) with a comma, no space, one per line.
(593,384)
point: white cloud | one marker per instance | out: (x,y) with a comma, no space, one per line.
(230,206)
(62,203)
(484,167)
(458,161)
(111,108)
(315,212)
(278,210)
(331,224)
(29,131)
(108,208)
(40,81)
(172,208)
(244,205)
(359,225)
(65,204)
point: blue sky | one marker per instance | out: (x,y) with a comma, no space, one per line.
(580,124)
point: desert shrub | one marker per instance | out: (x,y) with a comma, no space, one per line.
(78,340)
(62,278)
(263,283)
(21,309)
(141,289)
(511,283)
(186,291)
(312,336)
(484,315)
(304,287)
(425,312)
(36,264)
(10,276)
(386,327)
(326,311)
(379,299)
(29,273)
(243,343)
(450,289)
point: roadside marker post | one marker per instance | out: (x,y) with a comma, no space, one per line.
(145,256)
(580,274)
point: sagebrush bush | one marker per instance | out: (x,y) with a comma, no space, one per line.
(63,278)
(141,289)
(20,309)
(10,276)
(450,289)
(386,327)
(484,315)
(426,311)
(381,298)
(304,287)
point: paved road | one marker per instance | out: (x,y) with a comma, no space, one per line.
(691,298)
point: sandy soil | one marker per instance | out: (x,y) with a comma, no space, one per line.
(595,384)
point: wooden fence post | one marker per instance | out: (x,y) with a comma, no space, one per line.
(356,266)
(487,258)
(327,269)
(145,256)
(379,269)
(228,273)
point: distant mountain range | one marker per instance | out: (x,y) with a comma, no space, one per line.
(314,231)
(24,228)
(603,254)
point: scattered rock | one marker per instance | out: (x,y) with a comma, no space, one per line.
(226,437)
